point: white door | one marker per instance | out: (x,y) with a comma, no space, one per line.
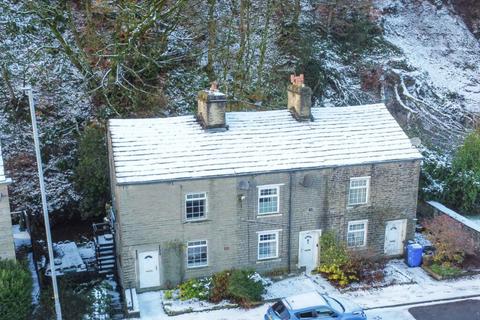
(308,249)
(395,236)
(148,269)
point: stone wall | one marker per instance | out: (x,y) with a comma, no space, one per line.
(152,217)
(7,249)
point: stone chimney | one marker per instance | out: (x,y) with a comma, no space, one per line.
(299,99)
(211,108)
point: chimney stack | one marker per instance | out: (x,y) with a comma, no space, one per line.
(299,99)
(211,108)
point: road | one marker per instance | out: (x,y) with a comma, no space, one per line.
(459,310)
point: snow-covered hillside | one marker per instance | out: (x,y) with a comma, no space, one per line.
(438,82)
(438,44)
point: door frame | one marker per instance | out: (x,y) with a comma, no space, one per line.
(154,252)
(317,252)
(403,236)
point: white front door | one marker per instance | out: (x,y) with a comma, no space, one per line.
(308,249)
(148,269)
(395,233)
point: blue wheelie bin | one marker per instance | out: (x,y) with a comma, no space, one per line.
(414,255)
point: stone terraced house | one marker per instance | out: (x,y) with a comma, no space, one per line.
(197,194)
(7,250)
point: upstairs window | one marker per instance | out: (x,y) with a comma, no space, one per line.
(359,190)
(195,206)
(357,233)
(268,199)
(197,254)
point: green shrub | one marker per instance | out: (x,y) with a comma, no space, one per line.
(239,286)
(168,294)
(194,288)
(15,290)
(451,241)
(445,270)
(463,184)
(80,300)
(219,287)
(91,172)
(244,289)
(336,264)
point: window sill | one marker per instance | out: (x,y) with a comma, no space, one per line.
(196,220)
(199,267)
(355,206)
(358,248)
(268,215)
(268,260)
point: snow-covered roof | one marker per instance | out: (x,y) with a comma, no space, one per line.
(163,149)
(3,179)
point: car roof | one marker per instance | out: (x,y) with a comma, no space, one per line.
(305,300)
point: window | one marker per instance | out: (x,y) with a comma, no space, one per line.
(281,311)
(268,245)
(306,315)
(358,193)
(268,199)
(357,233)
(195,206)
(324,313)
(197,254)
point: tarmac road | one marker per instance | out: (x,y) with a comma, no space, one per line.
(459,310)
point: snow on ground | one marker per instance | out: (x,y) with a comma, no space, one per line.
(294,285)
(437,42)
(421,288)
(67,259)
(36,284)
(21,238)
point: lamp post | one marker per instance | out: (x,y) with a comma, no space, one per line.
(36,140)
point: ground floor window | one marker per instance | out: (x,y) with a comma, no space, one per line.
(197,254)
(357,233)
(267,245)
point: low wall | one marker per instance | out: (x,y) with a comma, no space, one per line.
(433,208)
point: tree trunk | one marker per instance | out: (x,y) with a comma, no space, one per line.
(212,35)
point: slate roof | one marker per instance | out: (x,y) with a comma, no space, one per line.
(177,148)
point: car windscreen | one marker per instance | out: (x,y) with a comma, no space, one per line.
(281,311)
(337,306)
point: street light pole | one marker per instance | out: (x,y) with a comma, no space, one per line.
(36,140)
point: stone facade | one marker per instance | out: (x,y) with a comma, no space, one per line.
(7,250)
(151,217)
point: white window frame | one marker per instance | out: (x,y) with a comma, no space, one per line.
(367,191)
(365,233)
(196,246)
(277,243)
(267,187)
(205,197)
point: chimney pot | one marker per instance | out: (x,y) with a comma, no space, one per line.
(211,108)
(299,98)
